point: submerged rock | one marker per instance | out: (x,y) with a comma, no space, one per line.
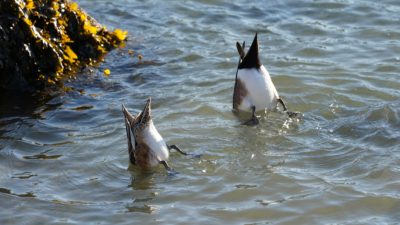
(44,41)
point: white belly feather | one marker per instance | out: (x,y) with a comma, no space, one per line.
(261,91)
(156,143)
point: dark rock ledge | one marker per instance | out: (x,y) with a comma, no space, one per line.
(42,42)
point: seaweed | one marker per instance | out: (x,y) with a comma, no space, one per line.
(43,42)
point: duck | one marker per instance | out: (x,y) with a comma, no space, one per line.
(146,147)
(254,90)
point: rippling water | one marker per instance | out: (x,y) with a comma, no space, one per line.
(65,160)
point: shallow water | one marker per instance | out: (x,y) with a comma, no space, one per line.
(65,161)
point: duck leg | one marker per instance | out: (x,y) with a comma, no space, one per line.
(177,149)
(282,103)
(253,120)
(165,164)
(290,114)
(171,172)
(183,152)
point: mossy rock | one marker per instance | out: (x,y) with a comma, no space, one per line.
(43,41)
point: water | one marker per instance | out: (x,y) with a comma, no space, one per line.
(64,160)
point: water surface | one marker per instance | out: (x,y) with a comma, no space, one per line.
(65,161)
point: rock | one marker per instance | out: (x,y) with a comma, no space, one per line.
(42,42)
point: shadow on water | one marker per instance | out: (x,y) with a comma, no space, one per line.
(14,104)
(18,108)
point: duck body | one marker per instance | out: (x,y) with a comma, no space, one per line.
(257,90)
(150,143)
(254,90)
(146,147)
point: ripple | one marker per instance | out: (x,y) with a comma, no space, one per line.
(24,175)
(82,108)
(142,209)
(42,156)
(24,195)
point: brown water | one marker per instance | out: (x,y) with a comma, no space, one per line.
(64,160)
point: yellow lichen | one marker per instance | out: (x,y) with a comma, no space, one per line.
(57,77)
(89,28)
(65,39)
(55,6)
(70,55)
(101,49)
(62,23)
(120,34)
(107,72)
(82,16)
(140,57)
(50,81)
(28,21)
(30,4)
(73,6)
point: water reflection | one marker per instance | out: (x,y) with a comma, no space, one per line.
(141,180)
(143,185)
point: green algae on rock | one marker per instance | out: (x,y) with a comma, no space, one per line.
(43,41)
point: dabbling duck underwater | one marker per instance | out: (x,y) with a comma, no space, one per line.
(146,147)
(254,89)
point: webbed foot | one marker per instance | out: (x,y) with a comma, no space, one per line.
(253,120)
(293,114)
